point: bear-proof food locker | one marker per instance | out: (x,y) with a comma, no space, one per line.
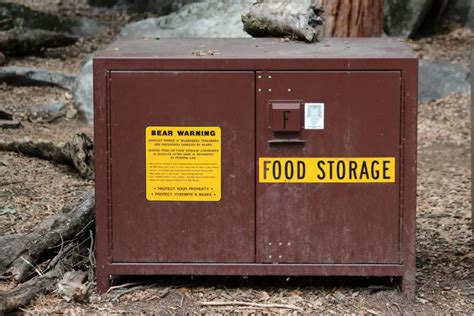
(256,157)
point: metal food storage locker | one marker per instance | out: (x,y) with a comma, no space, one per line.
(256,157)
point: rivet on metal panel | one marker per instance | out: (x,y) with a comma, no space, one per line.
(269,243)
(280,243)
(280,256)
(259,77)
(289,244)
(269,77)
(269,90)
(259,90)
(289,90)
(270,256)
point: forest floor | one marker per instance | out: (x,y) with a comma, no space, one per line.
(33,189)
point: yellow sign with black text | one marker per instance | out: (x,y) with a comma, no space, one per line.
(183,163)
(326,170)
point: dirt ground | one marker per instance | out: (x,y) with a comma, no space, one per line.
(33,189)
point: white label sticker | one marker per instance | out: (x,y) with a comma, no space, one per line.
(314,116)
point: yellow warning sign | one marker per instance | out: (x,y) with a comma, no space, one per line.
(327,170)
(183,163)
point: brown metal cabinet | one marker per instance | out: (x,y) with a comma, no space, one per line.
(256,157)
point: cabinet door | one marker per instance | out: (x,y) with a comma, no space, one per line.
(324,222)
(178,218)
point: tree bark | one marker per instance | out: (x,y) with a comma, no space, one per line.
(78,152)
(298,20)
(21,252)
(30,42)
(26,76)
(308,20)
(352,18)
(24,293)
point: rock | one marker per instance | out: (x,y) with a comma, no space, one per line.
(83,92)
(81,26)
(404,17)
(211,18)
(20,76)
(159,7)
(436,80)
(50,107)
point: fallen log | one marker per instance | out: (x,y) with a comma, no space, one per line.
(311,19)
(24,293)
(21,76)
(14,15)
(21,253)
(78,152)
(28,42)
(299,20)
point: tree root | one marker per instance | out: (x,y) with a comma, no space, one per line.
(77,153)
(24,293)
(20,253)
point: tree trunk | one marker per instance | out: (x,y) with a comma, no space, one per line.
(352,18)
(310,20)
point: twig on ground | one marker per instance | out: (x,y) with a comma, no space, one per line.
(60,255)
(258,305)
(116,287)
(133,289)
(31,265)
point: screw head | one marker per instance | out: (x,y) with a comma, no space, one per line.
(269,90)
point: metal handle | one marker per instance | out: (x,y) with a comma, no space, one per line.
(286,141)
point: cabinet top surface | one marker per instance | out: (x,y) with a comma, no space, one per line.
(258,48)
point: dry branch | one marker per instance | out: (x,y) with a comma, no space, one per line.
(284,18)
(25,292)
(77,153)
(258,305)
(35,246)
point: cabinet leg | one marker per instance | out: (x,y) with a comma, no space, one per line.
(102,281)
(408,285)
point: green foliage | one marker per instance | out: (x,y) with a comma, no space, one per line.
(18,25)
